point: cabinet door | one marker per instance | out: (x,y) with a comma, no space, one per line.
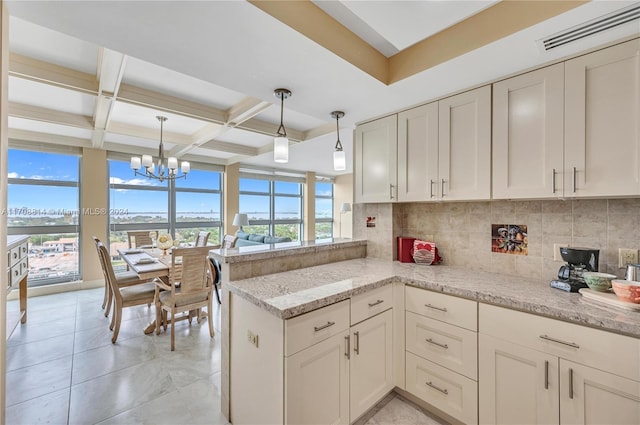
(464,149)
(376,160)
(317,383)
(602,110)
(418,153)
(371,366)
(591,396)
(528,135)
(517,385)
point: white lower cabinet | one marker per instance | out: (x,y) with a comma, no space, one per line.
(529,372)
(317,383)
(371,364)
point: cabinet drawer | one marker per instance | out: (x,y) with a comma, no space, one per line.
(310,328)
(14,255)
(24,266)
(24,248)
(448,391)
(15,275)
(453,310)
(614,353)
(447,345)
(371,303)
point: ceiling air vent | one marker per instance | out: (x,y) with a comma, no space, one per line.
(612,20)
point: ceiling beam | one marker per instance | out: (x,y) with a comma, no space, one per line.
(56,75)
(175,105)
(37,113)
(216,145)
(200,137)
(245,109)
(148,133)
(321,130)
(17,135)
(258,126)
(111,67)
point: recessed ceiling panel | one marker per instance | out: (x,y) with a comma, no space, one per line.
(51,97)
(141,116)
(211,153)
(136,141)
(49,128)
(246,138)
(153,77)
(404,23)
(291,118)
(44,44)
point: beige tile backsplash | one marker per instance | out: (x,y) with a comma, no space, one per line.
(462,231)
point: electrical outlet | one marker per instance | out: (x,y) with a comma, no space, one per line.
(627,256)
(253,338)
(556,251)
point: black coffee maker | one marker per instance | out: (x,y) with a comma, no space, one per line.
(579,260)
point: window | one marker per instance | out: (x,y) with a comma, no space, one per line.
(274,207)
(43,202)
(182,207)
(324,210)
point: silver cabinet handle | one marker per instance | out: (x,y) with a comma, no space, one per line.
(553,181)
(347,351)
(574,179)
(546,374)
(570,344)
(319,328)
(436,308)
(373,304)
(390,191)
(356,345)
(571,383)
(442,189)
(431,182)
(435,387)
(430,341)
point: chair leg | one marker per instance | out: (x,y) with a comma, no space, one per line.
(113,314)
(158,317)
(107,291)
(173,331)
(118,315)
(209,318)
(109,302)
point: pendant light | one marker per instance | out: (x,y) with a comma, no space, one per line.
(339,158)
(281,142)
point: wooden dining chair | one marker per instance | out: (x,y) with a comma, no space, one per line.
(202,238)
(194,292)
(229,241)
(215,277)
(139,238)
(123,279)
(128,296)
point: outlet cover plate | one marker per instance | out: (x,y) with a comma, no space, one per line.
(627,256)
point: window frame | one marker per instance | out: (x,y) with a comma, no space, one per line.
(333,205)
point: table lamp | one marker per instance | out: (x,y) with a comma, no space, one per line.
(240,220)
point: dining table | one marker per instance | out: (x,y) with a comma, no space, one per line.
(148,263)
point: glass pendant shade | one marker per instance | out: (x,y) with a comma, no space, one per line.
(281,149)
(339,160)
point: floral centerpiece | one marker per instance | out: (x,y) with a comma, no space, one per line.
(164,242)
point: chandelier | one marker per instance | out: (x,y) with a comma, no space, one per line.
(168,171)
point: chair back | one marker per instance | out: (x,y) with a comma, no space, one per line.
(191,272)
(229,241)
(214,268)
(139,237)
(107,269)
(98,242)
(202,238)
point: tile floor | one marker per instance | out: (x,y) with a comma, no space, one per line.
(63,369)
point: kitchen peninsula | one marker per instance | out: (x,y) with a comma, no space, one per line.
(299,341)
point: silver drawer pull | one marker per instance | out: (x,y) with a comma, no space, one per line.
(436,308)
(347,347)
(430,341)
(570,344)
(319,328)
(373,304)
(571,383)
(546,374)
(435,387)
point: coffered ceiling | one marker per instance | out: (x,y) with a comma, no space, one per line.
(96,73)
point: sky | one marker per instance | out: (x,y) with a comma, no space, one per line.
(49,166)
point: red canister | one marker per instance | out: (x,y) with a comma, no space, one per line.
(405,249)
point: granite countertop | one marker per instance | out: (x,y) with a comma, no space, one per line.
(296,292)
(266,251)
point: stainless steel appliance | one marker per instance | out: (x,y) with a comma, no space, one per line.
(578,261)
(633,272)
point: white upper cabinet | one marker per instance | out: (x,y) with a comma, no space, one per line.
(464,145)
(444,149)
(375,160)
(528,135)
(418,153)
(602,122)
